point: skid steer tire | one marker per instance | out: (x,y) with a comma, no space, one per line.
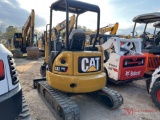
(155,94)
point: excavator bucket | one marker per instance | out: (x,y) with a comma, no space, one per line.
(33,53)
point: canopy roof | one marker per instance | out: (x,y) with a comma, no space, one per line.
(76,7)
(156,24)
(147,18)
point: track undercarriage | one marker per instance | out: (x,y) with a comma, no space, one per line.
(62,103)
(25,114)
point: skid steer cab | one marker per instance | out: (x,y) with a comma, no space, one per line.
(123,61)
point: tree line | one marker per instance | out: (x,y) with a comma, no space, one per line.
(7,33)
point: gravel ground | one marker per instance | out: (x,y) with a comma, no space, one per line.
(137,102)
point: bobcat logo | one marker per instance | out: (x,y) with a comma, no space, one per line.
(133,73)
(127,73)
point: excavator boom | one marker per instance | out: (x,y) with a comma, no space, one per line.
(29,26)
(62,25)
(112,28)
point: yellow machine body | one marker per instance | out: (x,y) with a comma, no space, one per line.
(29,27)
(46,47)
(40,44)
(80,73)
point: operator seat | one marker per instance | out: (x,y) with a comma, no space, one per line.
(77,40)
(155,48)
(144,40)
(157,39)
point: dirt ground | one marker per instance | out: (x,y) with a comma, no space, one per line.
(137,102)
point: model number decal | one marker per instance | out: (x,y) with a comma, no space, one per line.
(60,68)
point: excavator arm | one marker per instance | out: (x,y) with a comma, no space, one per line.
(112,28)
(61,26)
(28,27)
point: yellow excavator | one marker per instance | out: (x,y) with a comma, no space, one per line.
(72,70)
(112,28)
(125,36)
(27,40)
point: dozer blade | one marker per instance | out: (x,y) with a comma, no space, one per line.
(59,101)
(107,97)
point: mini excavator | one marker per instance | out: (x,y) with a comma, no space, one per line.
(72,70)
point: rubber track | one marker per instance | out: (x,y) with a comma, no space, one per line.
(62,103)
(107,97)
(25,114)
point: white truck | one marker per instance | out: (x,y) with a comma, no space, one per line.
(12,103)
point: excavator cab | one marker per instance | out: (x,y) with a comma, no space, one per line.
(17,40)
(73,70)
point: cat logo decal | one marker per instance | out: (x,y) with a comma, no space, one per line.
(89,64)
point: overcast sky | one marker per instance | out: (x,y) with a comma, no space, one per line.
(16,12)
